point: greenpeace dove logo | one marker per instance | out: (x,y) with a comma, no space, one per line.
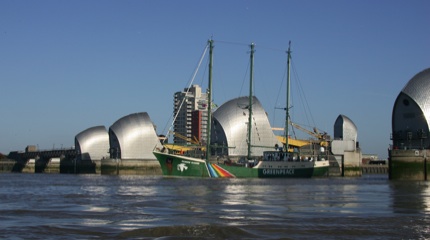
(182,167)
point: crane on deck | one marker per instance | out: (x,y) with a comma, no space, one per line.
(195,144)
(323,138)
(193,140)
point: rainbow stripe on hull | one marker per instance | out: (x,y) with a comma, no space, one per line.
(218,172)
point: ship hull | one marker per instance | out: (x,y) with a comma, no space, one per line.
(280,169)
(182,166)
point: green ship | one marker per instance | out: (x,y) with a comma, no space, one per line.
(184,166)
(279,163)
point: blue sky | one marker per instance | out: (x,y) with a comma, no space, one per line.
(66,66)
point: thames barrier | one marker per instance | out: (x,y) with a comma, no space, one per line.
(126,147)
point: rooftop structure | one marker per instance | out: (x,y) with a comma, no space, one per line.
(230,129)
(133,137)
(345,136)
(92,143)
(345,129)
(411,114)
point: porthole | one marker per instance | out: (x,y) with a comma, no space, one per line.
(406,102)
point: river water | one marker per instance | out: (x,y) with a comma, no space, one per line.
(62,206)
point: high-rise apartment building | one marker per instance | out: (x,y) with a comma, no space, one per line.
(190,106)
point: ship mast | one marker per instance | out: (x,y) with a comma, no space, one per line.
(209,92)
(251,79)
(287,109)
